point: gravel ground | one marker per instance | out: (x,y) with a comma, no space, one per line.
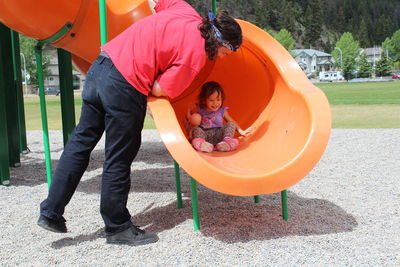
(346,212)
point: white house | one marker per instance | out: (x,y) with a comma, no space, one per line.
(311,60)
(373,54)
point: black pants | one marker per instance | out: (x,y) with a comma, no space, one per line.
(112,105)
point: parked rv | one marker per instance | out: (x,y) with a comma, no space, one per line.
(330,76)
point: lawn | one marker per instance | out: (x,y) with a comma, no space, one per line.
(33,118)
(353,105)
(364,105)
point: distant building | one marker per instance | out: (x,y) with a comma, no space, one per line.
(311,60)
(53,81)
(373,54)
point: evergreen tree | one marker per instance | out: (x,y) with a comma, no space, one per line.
(383,66)
(364,67)
(363,34)
(287,20)
(313,22)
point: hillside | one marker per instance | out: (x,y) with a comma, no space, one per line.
(317,23)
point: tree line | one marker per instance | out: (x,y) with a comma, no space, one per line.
(317,23)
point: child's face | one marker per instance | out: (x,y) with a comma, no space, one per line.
(214,102)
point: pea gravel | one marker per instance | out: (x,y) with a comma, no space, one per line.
(346,212)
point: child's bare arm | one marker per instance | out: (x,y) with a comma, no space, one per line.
(245,132)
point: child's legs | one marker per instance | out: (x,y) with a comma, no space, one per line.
(197,132)
(214,135)
(229,129)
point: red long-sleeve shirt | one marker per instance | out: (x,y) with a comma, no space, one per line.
(166,46)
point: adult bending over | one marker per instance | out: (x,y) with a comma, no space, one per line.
(160,54)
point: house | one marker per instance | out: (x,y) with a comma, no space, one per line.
(373,54)
(311,60)
(53,81)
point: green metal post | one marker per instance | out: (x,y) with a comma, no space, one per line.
(195,206)
(285,212)
(4,155)
(103,21)
(11,98)
(38,54)
(214,6)
(67,93)
(178,185)
(257,199)
(19,91)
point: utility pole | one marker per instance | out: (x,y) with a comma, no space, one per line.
(341,58)
(25,73)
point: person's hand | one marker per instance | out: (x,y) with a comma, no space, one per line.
(248,131)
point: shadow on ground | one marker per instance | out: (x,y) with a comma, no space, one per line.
(32,171)
(238,219)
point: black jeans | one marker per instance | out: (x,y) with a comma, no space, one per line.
(112,105)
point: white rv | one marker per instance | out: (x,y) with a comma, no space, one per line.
(329,76)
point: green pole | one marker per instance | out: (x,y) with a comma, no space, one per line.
(103,22)
(67,93)
(195,205)
(4,153)
(19,91)
(214,6)
(285,212)
(178,185)
(11,98)
(38,54)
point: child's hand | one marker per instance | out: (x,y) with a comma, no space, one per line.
(246,132)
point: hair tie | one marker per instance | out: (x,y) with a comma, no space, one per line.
(211,16)
(218,34)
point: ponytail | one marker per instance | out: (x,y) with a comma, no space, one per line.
(228,28)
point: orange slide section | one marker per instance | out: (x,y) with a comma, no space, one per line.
(264,85)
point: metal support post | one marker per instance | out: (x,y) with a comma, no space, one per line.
(19,91)
(285,212)
(38,54)
(4,160)
(10,97)
(178,185)
(195,205)
(67,93)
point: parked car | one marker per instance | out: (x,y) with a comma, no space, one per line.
(396,76)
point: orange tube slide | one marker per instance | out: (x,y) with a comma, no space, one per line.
(264,85)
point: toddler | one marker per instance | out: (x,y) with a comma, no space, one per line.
(207,128)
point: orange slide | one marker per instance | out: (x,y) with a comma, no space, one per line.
(264,85)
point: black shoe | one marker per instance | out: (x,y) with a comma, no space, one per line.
(57,226)
(132,236)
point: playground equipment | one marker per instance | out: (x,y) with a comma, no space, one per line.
(264,85)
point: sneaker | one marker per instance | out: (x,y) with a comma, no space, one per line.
(132,236)
(57,226)
(223,146)
(202,145)
(232,142)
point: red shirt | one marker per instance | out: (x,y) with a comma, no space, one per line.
(166,46)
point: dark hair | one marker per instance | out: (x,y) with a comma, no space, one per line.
(229,28)
(208,89)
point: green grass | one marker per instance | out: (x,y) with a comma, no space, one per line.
(353,105)
(33,117)
(366,93)
(366,116)
(364,105)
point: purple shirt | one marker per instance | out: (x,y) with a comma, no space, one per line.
(211,119)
